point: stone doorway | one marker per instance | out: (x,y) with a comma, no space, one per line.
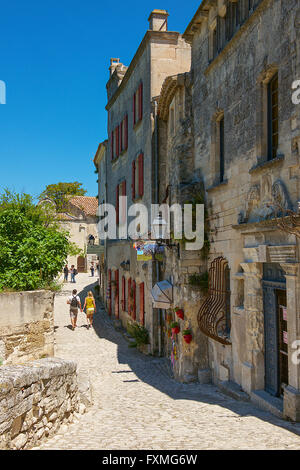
(275,327)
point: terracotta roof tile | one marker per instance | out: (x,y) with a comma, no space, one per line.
(87,204)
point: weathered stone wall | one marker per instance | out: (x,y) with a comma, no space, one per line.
(35,400)
(26,326)
(234,84)
(160,54)
(179,182)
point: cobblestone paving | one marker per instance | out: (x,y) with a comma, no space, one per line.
(138,406)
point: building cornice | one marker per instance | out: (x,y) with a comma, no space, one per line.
(150,35)
(100,153)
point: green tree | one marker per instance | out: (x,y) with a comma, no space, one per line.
(32,250)
(60,192)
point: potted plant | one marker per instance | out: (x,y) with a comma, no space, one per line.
(179,312)
(175,327)
(187,336)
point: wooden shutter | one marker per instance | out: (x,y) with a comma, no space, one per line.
(142,304)
(121,137)
(134,106)
(117,142)
(109,291)
(123,301)
(134,301)
(126,132)
(117,311)
(117,206)
(123,209)
(129,296)
(141,102)
(141,175)
(133,181)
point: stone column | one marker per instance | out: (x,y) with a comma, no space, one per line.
(253,369)
(292,392)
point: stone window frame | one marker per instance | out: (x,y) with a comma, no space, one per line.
(262,113)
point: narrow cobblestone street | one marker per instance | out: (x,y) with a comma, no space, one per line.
(136,405)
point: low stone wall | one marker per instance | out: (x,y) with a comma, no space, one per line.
(26,326)
(35,400)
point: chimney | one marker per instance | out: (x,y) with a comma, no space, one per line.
(158,20)
(113,65)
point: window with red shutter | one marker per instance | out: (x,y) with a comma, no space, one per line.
(126,132)
(133,181)
(109,291)
(117,206)
(141,102)
(123,302)
(117,142)
(129,297)
(134,300)
(142,304)
(121,136)
(141,175)
(134,109)
(117,312)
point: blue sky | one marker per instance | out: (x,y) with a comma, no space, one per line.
(54,59)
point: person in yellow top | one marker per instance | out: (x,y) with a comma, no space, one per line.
(90,306)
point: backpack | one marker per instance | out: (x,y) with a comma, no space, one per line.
(74,302)
(75,272)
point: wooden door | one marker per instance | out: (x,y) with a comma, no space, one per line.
(282,340)
(81,264)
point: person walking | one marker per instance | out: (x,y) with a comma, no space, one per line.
(75,305)
(73,272)
(90,306)
(66,273)
(92,270)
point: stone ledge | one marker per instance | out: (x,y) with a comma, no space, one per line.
(265,401)
(233,390)
(266,164)
(35,399)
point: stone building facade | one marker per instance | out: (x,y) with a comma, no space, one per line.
(80,220)
(100,162)
(132,162)
(180,183)
(245,57)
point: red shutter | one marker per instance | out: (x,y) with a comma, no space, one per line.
(129,296)
(142,304)
(123,208)
(134,300)
(117,205)
(123,302)
(117,294)
(134,113)
(121,136)
(112,145)
(109,291)
(140,102)
(141,175)
(117,142)
(126,132)
(133,181)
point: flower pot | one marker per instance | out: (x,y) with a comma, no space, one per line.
(180,314)
(176,330)
(188,338)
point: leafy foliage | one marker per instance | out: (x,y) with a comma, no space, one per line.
(32,250)
(139,333)
(60,192)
